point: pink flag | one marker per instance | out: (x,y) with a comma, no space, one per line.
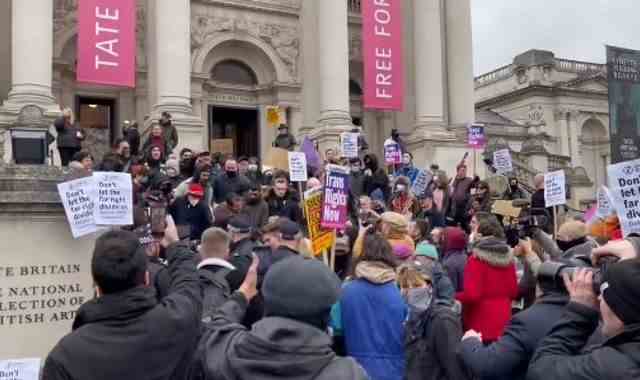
(382,51)
(107,42)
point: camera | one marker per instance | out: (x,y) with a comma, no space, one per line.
(550,274)
(529,220)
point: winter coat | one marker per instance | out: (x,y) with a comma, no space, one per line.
(183,188)
(287,142)
(510,195)
(159,277)
(410,172)
(374,334)
(559,355)
(215,287)
(133,138)
(130,335)
(508,358)
(222,214)
(223,185)
(454,255)
(286,207)
(258,213)
(68,134)
(356,184)
(197,217)
(170,135)
(583,250)
(276,348)
(490,285)
(158,141)
(378,180)
(435,218)
(403,246)
(432,338)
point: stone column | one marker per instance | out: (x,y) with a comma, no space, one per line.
(32,56)
(333,62)
(429,63)
(309,66)
(172,77)
(459,62)
(576,160)
(563,135)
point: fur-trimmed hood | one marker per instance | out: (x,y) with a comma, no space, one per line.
(493,251)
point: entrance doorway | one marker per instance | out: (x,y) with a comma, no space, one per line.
(237,124)
(97,118)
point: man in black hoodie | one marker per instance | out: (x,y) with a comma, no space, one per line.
(125,333)
(290,343)
(376,180)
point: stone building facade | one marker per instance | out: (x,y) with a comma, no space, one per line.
(217,64)
(553,114)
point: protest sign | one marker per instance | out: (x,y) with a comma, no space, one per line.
(78,198)
(336,194)
(349,144)
(502,161)
(309,150)
(277,158)
(505,208)
(321,239)
(20,369)
(114,204)
(224,146)
(604,207)
(475,136)
(421,182)
(555,191)
(275,116)
(392,153)
(297,167)
(624,189)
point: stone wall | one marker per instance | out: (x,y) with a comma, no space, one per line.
(5,48)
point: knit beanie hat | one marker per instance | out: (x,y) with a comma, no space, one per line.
(173,164)
(621,290)
(398,222)
(427,250)
(300,289)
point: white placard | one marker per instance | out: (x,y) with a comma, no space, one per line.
(605,207)
(78,197)
(20,369)
(349,144)
(624,189)
(114,199)
(298,167)
(502,161)
(421,182)
(555,191)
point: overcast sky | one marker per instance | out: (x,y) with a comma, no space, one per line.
(573,29)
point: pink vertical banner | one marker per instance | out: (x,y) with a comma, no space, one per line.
(107,42)
(382,23)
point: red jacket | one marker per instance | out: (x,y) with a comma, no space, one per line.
(490,285)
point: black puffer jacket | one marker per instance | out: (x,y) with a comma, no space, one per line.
(129,335)
(286,207)
(276,348)
(378,180)
(559,356)
(508,358)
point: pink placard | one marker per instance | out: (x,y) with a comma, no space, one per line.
(382,53)
(107,42)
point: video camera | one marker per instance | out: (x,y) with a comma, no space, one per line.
(527,222)
(550,274)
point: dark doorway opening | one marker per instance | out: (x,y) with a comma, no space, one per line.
(97,117)
(237,124)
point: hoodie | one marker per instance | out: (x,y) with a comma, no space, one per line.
(275,348)
(454,256)
(378,180)
(490,285)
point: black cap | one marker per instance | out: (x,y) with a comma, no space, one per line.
(239,224)
(621,290)
(289,230)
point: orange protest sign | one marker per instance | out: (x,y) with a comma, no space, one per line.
(321,239)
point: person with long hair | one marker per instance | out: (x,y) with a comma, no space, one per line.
(373,311)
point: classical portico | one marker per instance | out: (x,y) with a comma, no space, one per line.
(205,61)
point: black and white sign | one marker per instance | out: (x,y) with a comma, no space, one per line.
(114,203)
(502,161)
(78,198)
(624,189)
(555,191)
(298,166)
(20,369)
(349,144)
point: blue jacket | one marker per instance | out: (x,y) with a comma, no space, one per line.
(373,318)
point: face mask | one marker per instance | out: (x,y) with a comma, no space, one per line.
(567,245)
(231,174)
(355,169)
(253,168)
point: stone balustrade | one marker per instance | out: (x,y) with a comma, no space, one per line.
(578,67)
(494,76)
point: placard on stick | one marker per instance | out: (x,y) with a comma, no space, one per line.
(349,144)
(20,369)
(555,190)
(336,195)
(502,161)
(297,166)
(78,198)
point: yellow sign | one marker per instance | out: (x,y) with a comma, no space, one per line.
(275,116)
(505,208)
(321,239)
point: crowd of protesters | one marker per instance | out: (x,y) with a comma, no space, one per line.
(432,285)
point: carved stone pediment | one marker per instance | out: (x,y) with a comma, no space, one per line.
(31,116)
(284,39)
